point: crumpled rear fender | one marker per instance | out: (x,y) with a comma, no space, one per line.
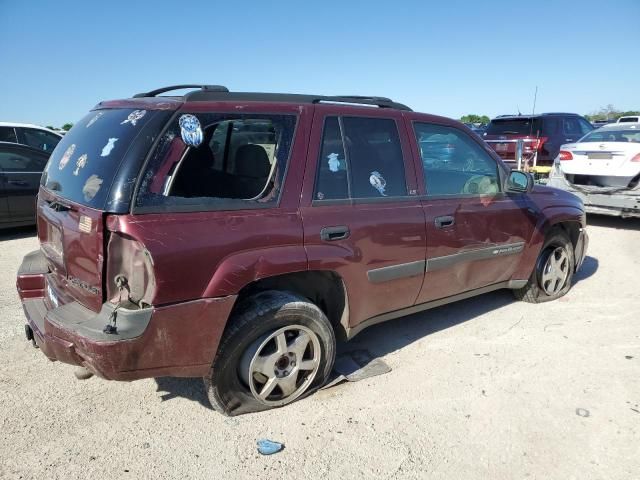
(243,268)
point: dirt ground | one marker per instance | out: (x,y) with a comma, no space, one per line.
(486,388)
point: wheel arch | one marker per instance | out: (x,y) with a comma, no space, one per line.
(324,288)
(568,219)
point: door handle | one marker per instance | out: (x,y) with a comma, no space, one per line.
(331,234)
(444,221)
(18,183)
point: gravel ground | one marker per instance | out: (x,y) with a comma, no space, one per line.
(486,388)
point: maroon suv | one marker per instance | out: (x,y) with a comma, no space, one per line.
(234,236)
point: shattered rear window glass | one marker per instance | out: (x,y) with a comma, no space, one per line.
(84,164)
(229,161)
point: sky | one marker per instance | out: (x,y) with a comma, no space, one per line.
(448,57)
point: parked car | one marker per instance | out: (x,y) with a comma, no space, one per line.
(20,171)
(235,236)
(28,134)
(601,123)
(603,169)
(477,128)
(629,119)
(542,135)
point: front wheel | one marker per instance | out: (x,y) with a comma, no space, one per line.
(279,347)
(553,273)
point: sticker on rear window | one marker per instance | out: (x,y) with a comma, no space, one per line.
(82,161)
(94,119)
(91,187)
(190,130)
(378,182)
(66,156)
(134,116)
(106,150)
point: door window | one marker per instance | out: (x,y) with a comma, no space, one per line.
(11,161)
(40,139)
(453,163)
(571,126)
(585,126)
(8,134)
(360,158)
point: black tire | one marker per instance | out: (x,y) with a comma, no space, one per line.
(533,291)
(254,318)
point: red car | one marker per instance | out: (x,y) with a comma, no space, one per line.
(234,236)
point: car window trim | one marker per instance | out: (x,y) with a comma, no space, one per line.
(500,173)
(362,201)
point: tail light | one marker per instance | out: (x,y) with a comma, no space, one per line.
(564,155)
(636,158)
(129,271)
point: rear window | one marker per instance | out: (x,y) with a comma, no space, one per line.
(518,126)
(84,164)
(611,135)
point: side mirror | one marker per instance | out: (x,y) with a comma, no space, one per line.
(519,182)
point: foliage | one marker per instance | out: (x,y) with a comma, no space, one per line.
(473,118)
(67,126)
(609,113)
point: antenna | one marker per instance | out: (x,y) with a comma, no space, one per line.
(535,97)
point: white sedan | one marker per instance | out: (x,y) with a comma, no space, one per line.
(603,169)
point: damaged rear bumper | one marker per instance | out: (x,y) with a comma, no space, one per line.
(620,203)
(175,340)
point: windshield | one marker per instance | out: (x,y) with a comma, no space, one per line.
(514,126)
(85,162)
(611,135)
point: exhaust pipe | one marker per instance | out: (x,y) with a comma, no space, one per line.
(28,333)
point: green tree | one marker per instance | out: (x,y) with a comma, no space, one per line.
(609,113)
(473,118)
(50,127)
(67,126)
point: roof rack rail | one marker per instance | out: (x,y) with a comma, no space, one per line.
(208,88)
(382,102)
(204,93)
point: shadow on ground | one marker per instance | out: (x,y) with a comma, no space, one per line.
(189,388)
(379,340)
(613,222)
(18,233)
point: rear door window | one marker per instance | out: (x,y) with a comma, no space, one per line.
(360,158)
(8,134)
(585,126)
(40,139)
(571,126)
(22,162)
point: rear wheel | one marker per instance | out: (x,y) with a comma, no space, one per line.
(553,273)
(279,347)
